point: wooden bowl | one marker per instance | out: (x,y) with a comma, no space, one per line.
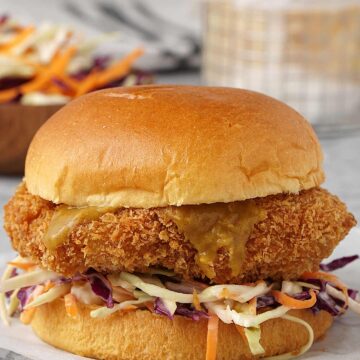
(18,125)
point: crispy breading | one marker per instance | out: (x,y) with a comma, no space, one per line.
(297,233)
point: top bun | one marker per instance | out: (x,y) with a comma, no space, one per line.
(150,146)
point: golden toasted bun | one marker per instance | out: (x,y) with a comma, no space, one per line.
(143,335)
(155,146)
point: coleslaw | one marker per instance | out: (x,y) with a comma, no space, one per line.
(51,64)
(25,286)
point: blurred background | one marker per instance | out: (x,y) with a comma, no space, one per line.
(303,52)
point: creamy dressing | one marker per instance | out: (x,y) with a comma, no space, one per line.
(85,295)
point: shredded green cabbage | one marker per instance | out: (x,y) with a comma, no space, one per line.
(157,291)
(50,295)
(240,293)
(115,280)
(307,285)
(105,311)
(290,287)
(353,305)
(13,303)
(253,336)
(255,320)
(28,279)
(228,302)
(227,315)
(3,311)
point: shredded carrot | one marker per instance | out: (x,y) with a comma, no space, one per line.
(58,65)
(68,81)
(8,95)
(62,62)
(17,39)
(292,303)
(52,89)
(114,72)
(120,68)
(41,80)
(27,315)
(319,275)
(22,266)
(196,301)
(212,337)
(88,84)
(71,307)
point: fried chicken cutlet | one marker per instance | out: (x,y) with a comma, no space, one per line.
(298,231)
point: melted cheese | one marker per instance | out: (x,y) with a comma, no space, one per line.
(208,227)
(213,226)
(65,219)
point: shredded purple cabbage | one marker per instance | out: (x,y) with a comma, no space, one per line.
(59,83)
(181,288)
(323,300)
(338,263)
(269,300)
(182,310)
(14,273)
(12,82)
(101,287)
(24,294)
(353,293)
(191,313)
(304,295)
(318,282)
(326,302)
(3,19)
(161,309)
(264,301)
(64,280)
(101,62)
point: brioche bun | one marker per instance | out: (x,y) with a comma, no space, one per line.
(151,146)
(143,335)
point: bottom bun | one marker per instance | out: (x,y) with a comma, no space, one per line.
(143,335)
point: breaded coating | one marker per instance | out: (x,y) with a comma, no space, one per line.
(296,234)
